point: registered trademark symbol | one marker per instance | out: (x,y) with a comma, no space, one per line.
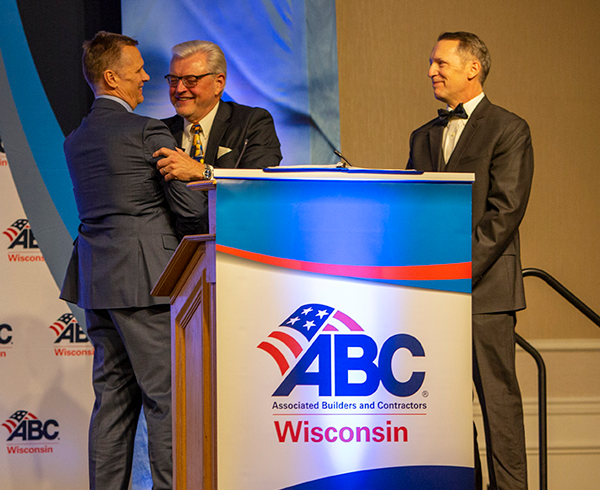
(425,394)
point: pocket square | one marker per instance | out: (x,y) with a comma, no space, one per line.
(222,151)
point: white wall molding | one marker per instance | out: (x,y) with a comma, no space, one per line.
(564,345)
(564,406)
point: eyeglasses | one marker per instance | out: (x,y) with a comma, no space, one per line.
(188,81)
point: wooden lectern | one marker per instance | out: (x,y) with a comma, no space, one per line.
(189,281)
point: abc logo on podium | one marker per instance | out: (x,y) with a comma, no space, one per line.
(331,353)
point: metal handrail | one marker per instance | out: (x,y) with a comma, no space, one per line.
(542,401)
(542,409)
(565,293)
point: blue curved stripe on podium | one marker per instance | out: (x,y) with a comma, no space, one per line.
(350,223)
(400,478)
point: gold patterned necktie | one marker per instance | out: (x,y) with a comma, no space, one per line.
(197,150)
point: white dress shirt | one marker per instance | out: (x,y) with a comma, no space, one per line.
(205,123)
(456,126)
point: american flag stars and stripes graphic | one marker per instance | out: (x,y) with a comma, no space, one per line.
(13,230)
(295,333)
(15,419)
(59,325)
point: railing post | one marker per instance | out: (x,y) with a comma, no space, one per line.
(542,410)
(542,396)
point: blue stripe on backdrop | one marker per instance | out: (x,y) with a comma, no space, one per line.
(281,55)
(33,142)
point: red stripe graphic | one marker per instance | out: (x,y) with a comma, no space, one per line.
(275,354)
(435,272)
(57,327)
(288,340)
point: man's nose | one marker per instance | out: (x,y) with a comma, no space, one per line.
(180,87)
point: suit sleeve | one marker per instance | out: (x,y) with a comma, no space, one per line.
(411,164)
(263,148)
(510,177)
(187,206)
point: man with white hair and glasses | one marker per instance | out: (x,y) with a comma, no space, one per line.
(215,133)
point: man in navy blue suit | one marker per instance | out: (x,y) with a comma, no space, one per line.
(474,135)
(131,223)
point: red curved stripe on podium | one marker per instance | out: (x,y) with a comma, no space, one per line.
(435,272)
(275,354)
(288,340)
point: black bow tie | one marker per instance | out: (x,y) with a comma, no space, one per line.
(444,115)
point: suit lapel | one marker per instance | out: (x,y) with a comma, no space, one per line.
(467,135)
(435,147)
(463,143)
(219,126)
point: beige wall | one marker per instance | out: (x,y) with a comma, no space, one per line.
(545,68)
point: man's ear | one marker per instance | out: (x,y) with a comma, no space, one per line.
(220,83)
(110,79)
(474,69)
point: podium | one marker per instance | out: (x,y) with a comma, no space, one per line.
(321,332)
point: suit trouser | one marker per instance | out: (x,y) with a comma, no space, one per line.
(132,369)
(494,375)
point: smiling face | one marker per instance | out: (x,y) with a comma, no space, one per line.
(194,103)
(454,75)
(130,76)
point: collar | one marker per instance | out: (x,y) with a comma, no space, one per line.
(116,99)
(206,122)
(471,105)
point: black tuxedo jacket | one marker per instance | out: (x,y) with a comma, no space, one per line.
(234,124)
(496,146)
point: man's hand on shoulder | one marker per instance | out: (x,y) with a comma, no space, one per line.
(178,165)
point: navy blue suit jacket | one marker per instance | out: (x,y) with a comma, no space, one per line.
(131,219)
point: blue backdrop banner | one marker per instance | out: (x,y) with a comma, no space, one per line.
(281,55)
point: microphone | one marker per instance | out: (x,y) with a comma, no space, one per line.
(344,163)
(241,154)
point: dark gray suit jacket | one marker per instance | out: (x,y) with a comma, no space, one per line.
(131,220)
(232,126)
(496,146)
(247,131)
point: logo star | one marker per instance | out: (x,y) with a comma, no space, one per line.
(293,320)
(306,311)
(309,324)
(322,313)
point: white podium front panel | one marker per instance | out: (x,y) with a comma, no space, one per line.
(343,331)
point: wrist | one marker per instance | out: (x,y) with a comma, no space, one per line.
(208,172)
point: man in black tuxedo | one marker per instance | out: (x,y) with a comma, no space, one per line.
(231,135)
(131,222)
(473,135)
